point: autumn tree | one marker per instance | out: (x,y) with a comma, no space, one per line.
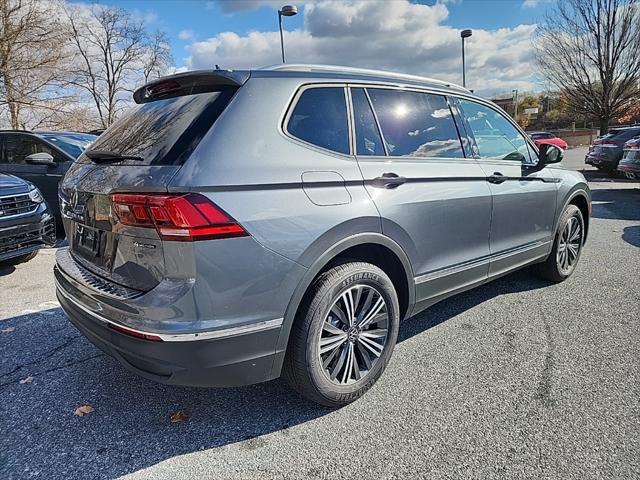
(588,49)
(31,56)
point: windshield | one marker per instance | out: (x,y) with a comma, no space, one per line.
(72,143)
(163,132)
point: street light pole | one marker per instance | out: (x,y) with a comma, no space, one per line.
(286,11)
(515,101)
(464,34)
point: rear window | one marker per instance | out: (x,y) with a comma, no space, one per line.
(320,118)
(164,132)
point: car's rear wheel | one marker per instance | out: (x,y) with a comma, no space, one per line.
(567,247)
(344,334)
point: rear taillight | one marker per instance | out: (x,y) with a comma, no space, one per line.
(184,217)
(607,142)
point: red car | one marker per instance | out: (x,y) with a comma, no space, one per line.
(540,138)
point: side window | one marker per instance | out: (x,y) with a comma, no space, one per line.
(320,118)
(416,124)
(17,147)
(368,140)
(496,137)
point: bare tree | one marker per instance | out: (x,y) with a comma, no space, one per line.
(589,50)
(31,55)
(110,47)
(158,56)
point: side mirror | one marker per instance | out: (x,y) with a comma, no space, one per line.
(41,158)
(550,154)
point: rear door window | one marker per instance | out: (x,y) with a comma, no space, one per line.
(165,131)
(416,124)
(320,118)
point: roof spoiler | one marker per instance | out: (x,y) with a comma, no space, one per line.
(188,83)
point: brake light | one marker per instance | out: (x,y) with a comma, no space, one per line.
(135,333)
(607,142)
(183,217)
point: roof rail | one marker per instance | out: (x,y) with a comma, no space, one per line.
(302,67)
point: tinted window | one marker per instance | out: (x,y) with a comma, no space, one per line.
(71,143)
(496,137)
(368,140)
(416,124)
(17,147)
(164,132)
(320,118)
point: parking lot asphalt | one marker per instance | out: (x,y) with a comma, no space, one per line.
(516,379)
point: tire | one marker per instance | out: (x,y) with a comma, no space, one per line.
(21,258)
(319,321)
(558,267)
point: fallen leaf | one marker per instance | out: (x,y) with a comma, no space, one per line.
(82,410)
(179,416)
(29,379)
(8,330)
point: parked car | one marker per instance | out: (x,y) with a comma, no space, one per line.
(42,158)
(606,152)
(240,225)
(26,225)
(630,163)
(541,138)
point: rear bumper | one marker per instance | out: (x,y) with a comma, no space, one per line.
(229,359)
(24,238)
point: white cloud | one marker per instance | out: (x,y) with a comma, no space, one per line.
(397,36)
(186,35)
(533,3)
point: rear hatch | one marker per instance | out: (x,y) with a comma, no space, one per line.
(138,154)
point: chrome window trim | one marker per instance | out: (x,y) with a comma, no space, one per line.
(179,337)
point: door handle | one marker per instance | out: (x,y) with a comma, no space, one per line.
(389,180)
(497,177)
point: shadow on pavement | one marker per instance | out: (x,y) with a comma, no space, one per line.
(616,203)
(631,235)
(130,427)
(6,269)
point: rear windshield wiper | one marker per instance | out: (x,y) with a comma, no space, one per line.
(107,156)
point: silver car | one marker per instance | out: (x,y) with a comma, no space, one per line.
(236,226)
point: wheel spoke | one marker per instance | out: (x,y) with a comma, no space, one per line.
(329,343)
(339,364)
(347,300)
(372,346)
(337,311)
(331,328)
(373,312)
(346,374)
(374,333)
(365,355)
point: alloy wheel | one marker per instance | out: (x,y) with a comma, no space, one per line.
(354,334)
(569,246)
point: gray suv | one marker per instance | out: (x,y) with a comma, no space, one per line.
(239,225)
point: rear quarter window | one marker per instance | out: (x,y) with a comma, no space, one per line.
(319,117)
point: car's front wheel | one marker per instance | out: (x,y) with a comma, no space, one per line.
(344,334)
(567,246)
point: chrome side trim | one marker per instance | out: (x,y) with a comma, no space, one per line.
(179,337)
(427,277)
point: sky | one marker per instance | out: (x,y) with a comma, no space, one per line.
(418,37)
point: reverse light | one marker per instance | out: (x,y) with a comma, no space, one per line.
(182,217)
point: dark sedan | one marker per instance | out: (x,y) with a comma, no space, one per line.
(606,151)
(25,222)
